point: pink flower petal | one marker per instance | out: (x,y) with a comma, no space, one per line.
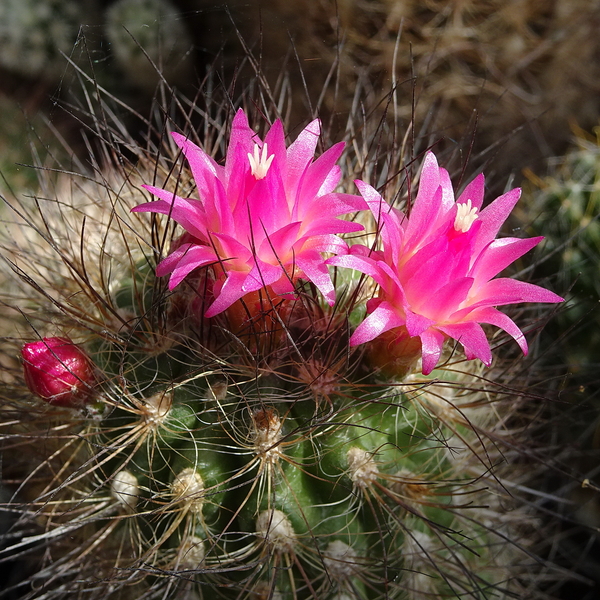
(494,317)
(435,273)
(241,143)
(263,223)
(194,257)
(416,324)
(494,216)
(390,228)
(229,293)
(239,184)
(331,181)
(472,338)
(167,265)
(447,192)
(365,265)
(426,281)
(201,164)
(373,199)
(314,269)
(500,254)
(454,293)
(325,243)
(328,225)
(301,152)
(426,206)
(188,213)
(284,286)
(278,245)
(207,177)
(503,291)
(262,275)
(314,177)
(432,343)
(391,286)
(382,319)
(435,255)
(334,205)
(232,250)
(275,140)
(474,192)
(266,206)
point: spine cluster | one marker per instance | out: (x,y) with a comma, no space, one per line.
(223,432)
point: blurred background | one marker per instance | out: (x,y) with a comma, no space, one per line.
(509,86)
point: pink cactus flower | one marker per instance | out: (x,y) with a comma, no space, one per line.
(436,268)
(263,219)
(58,371)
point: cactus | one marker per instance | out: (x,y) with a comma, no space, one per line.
(266,450)
(564,207)
(17,128)
(570,193)
(517,64)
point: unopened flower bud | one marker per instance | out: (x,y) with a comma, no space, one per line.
(58,371)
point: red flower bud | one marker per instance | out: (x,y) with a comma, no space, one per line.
(58,371)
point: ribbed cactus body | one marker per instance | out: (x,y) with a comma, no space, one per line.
(236,481)
(251,455)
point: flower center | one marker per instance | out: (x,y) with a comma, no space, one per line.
(260,162)
(466,214)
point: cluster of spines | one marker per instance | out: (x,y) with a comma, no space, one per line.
(231,484)
(254,462)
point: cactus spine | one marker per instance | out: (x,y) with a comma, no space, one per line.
(253,454)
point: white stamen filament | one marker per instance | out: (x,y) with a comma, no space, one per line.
(260,163)
(466,214)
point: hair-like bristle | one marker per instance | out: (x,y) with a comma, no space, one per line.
(515,71)
(254,454)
